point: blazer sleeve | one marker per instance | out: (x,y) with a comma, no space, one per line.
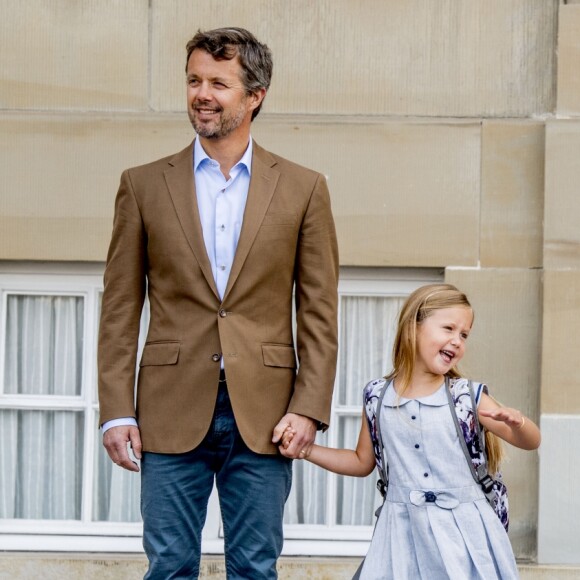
(122,303)
(316,294)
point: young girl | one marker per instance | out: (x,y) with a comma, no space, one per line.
(460,537)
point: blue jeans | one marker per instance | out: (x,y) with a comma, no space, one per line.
(252,489)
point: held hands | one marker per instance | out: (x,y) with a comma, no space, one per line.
(287,437)
(115,441)
(295,435)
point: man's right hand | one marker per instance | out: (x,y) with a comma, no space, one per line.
(115,441)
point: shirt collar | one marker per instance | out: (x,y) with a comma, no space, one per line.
(199,156)
(436,399)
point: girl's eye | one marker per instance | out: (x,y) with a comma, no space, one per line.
(464,336)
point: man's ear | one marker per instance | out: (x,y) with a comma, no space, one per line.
(257,97)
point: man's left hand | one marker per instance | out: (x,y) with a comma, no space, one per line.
(304,432)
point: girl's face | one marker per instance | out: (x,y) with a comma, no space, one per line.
(441,339)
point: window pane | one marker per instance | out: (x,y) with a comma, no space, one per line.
(41,455)
(357,497)
(117,491)
(307,501)
(44,345)
(367,329)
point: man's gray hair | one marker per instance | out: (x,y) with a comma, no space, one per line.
(254,57)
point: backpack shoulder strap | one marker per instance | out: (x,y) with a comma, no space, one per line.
(481,388)
(463,407)
(373,395)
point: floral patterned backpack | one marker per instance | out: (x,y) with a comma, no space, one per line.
(462,402)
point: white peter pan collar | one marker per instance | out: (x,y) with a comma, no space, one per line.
(437,399)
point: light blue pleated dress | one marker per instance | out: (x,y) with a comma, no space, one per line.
(450,533)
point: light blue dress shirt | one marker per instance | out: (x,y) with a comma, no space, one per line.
(221,203)
(221,206)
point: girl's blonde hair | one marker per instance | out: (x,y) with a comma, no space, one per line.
(419,306)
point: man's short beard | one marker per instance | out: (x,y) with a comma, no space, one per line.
(223,128)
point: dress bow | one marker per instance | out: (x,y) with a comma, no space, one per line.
(442,499)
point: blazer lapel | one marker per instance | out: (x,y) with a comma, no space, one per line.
(181,185)
(262,185)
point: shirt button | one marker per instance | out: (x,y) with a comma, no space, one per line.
(215,357)
(413,417)
(416,446)
(425,475)
(222,227)
(223,313)
(222,268)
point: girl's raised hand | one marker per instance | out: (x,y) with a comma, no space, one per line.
(509,424)
(511,417)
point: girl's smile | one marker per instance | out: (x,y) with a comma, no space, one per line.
(441,339)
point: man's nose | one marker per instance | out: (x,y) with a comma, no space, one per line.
(204,92)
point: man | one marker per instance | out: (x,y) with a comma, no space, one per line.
(218,236)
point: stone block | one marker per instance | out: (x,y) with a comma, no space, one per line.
(102,566)
(559,505)
(60,173)
(403,193)
(569,60)
(512,199)
(561,342)
(378,57)
(562,202)
(81,55)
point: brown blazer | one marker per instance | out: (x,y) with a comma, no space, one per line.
(287,238)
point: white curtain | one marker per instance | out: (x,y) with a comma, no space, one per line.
(41,451)
(307,501)
(117,491)
(367,331)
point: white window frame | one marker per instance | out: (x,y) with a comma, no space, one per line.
(62,535)
(85,535)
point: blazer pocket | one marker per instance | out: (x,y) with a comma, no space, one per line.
(279,355)
(160,353)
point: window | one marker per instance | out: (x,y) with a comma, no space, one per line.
(59,490)
(55,478)
(41,447)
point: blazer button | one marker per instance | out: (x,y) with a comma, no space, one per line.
(223,313)
(215,357)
